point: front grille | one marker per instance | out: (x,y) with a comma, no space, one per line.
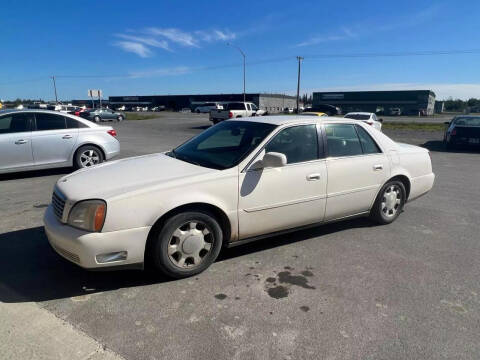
(67,254)
(58,205)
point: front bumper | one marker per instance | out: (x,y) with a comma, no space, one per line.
(82,247)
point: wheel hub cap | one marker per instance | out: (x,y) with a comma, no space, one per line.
(190,244)
(391,200)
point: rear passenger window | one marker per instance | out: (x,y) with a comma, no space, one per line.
(298,143)
(369,145)
(49,121)
(342,140)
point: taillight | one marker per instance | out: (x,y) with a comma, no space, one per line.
(112,132)
(453,132)
(230,114)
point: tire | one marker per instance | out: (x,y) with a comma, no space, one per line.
(119,118)
(449,146)
(96,119)
(165,240)
(81,159)
(197,111)
(388,207)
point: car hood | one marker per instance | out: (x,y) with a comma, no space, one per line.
(126,175)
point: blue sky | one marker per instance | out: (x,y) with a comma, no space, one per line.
(180,47)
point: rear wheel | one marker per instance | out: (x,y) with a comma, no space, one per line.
(389,202)
(87,156)
(187,244)
(119,118)
(96,119)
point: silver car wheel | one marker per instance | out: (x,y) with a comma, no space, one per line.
(89,158)
(391,201)
(190,244)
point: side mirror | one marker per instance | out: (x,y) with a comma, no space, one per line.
(447,122)
(274,159)
(380,120)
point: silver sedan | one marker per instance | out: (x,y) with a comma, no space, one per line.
(39,139)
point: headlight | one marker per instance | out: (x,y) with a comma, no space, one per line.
(88,215)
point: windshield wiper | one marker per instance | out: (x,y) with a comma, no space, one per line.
(184,158)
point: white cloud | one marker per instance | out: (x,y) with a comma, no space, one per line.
(179,70)
(344,34)
(145,40)
(134,47)
(142,42)
(174,35)
(441,90)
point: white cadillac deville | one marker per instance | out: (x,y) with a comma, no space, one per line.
(238,181)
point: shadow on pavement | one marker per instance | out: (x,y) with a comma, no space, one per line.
(438,146)
(31,271)
(35,173)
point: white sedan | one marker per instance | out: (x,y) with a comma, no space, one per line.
(369,118)
(235,182)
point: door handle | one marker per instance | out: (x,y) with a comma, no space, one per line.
(21,142)
(377,167)
(312,177)
(67,137)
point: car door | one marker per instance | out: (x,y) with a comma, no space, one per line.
(16,140)
(275,199)
(52,141)
(356,167)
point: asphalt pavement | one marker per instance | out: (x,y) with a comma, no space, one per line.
(348,290)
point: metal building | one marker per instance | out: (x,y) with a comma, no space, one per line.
(273,103)
(404,102)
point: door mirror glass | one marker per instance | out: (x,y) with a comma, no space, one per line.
(274,159)
(447,122)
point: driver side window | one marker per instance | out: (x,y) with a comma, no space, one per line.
(298,143)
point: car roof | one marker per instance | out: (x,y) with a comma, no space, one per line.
(358,113)
(294,119)
(83,121)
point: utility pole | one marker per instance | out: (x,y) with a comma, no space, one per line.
(299,58)
(244,57)
(55,88)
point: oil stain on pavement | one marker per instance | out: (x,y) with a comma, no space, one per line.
(279,287)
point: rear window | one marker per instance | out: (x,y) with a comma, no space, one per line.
(467,121)
(236,106)
(357,116)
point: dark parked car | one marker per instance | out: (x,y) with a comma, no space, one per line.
(330,110)
(462,130)
(97,115)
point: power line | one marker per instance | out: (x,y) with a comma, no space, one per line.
(267,61)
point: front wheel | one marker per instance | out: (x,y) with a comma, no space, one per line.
(187,244)
(389,202)
(96,119)
(119,118)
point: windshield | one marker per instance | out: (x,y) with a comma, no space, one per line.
(467,121)
(224,145)
(357,116)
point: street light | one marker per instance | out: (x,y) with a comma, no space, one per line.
(243,54)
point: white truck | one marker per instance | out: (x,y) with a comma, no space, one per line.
(235,110)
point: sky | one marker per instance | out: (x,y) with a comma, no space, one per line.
(189,47)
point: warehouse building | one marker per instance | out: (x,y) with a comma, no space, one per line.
(405,102)
(273,103)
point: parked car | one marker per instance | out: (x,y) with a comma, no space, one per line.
(235,182)
(233,110)
(330,110)
(39,139)
(288,110)
(158,108)
(395,111)
(312,113)
(97,115)
(207,107)
(462,130)
(369,118)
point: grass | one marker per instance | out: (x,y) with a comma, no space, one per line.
(413,126)
(137,116)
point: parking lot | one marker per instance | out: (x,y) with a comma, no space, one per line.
(347,290)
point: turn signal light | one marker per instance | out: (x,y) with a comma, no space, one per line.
(99,217)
